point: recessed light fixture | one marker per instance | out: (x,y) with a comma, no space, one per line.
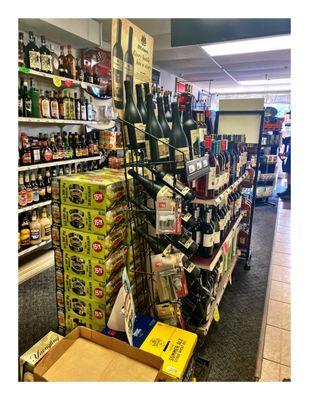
(265,82)
(244,46)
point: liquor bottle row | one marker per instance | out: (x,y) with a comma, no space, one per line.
(34,189)
(41,149)
(52,104)
(46,60)
(34,232)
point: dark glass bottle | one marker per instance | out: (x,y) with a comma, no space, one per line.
(41,188)
(207,236)
(217,232)
(168,114)
(162,119)
(33,59)
(178,140)
(140,102)
(21,50)
(156,245)
(46,58)
(27,103)
(221,161)
(196,234)
(118,69)
(191,130)
(214,150)
(131,115)
(152,188)
(129,60)
(48,183)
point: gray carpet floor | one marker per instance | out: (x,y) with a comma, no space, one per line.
(231,345)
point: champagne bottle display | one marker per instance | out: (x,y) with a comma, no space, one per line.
(140,102)
(168,114)
(118,69)
(129,60)
(131,115)
(178,140)
(191,130)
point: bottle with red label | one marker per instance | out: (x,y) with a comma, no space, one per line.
(25,151)
(22,192)
(46,152)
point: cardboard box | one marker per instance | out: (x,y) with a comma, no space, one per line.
(90,220)
(72,322)
(175,346)
(95,268)
(85,355)
(29,359)
(85,288)
(76,307)
(97,191)
(89,244)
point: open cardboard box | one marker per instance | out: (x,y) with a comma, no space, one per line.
(85,355)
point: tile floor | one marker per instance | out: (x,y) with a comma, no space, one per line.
(276,364)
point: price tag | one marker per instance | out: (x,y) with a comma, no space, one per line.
(225,247)
(216,314)
(57,81)
(84,85)
(68,83)
(25,70)
(198,165)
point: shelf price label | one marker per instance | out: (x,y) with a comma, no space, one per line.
(57,81)
(68,83)
(216,314)
(25,70)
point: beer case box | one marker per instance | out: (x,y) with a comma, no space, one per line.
(85,355)
(90,220)
(97,191)
(77,306)
(93,245)
(73,322)
(28,360)
(175,346)
(85,288)
(94,268)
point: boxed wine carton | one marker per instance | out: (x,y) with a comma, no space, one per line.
(29,360)
(85,355)
(90,220)
(93,245)
(175,346)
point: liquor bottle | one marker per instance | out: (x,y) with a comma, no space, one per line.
(90,110)
(41,188)
(55,60)
(63,71)
(46,152)
(243,237)
(21,98)
(35,189)
(233,162)
(191,130)
(196,234)
(184,243)
(55,185)
(246,209)
(27,103)
(185,192)
(157,245)
(79,71)
(47,182)
(34,96)
(222,221)
(83,109)
(22,192)
(76,106)
(28,190)
(205,186)
(129,61)
(21,50)
(118,69)
(90,145)
(46,58)
(221,161)
(179,140)
(226,155)
(53,147)
(72,107)
(54,107)
(162,119)
(45,106)
(158,150)
(217,231)
(35,230)
(70,63)
(35,151)
(33,59)
(78,151)
(25,232)
(131,115)
(25,151)
(207,236)
(45,226)
(168,114)
(208,122)
(140,103)
(96,149)
(217,187)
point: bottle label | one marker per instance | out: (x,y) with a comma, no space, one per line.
(34,60)
(47,155)
(195,142)
(212,178)
(198,237)
(29,196)
(56,213)
(54,110)
(35,234)
(28,106)
(170,124)
(47,230)
(188,243)
(186,217)
(169,179)
(128,71)
(83,112)
(179,156)
(222,224)
(117,79)
(46,63)
(25,237)
(62,113)
(26,158)
(42,191)
(48,189)
(45,108)
(36,154)
(20,104)
(140,136)
(22,198)
(208,240)
(35,195)
(217,237)
(163,148)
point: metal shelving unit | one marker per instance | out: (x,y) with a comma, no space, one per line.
(56,163)
(34,206)
(33,248)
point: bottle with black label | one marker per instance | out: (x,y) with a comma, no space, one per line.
(131,115)
(179,140)
(41,188)
(35,230)
(129,60)
(168,114)
(140,102)
(118,69)
(27,103)
(25,232)
(33,58)
(47,181)
(46,58)
(207,236)
(217,231)
(191,130)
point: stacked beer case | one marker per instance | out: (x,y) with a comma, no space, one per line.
(90,239)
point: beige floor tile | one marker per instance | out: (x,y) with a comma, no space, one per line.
(282,259)
(270,371)
(283,229)
(280,291)
(279,314)
(285,372)
(272,344)
(285,353)
(281,274)
(282,247)
(282,237)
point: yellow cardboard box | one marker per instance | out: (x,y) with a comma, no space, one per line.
(175,346)
(77,307)
(85,288)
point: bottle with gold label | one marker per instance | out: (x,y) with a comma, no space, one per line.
(35,230)
(25,232)
(45,226)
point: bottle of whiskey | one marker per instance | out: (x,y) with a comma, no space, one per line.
(46,58)
(63,70)
(33,59)
(55,60)
(70,62)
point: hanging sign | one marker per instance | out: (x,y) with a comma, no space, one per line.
(57,81)
(132,54)
(68,83)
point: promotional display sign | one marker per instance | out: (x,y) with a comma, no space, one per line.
(132,53)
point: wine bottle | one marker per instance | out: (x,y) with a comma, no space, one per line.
(156,245)
(192,132)
(140,102)
(131,115)
(118,69)
(184,191)
(168,114)
(207,236)
(217,232)
(162,118)
(178,140)
(158,151)
(129,60)
(152,188)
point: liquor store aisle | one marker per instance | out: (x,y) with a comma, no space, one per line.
(232,344)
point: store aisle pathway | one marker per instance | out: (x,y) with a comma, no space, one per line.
(276,336)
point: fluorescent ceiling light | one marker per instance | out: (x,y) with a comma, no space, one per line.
(249,45)
(265,82)
(249,89)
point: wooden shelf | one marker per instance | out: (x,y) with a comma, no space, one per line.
(217,200)
(203,330)
(55,163)
(210,263)
(33,248)
(34,206)
(36,266)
